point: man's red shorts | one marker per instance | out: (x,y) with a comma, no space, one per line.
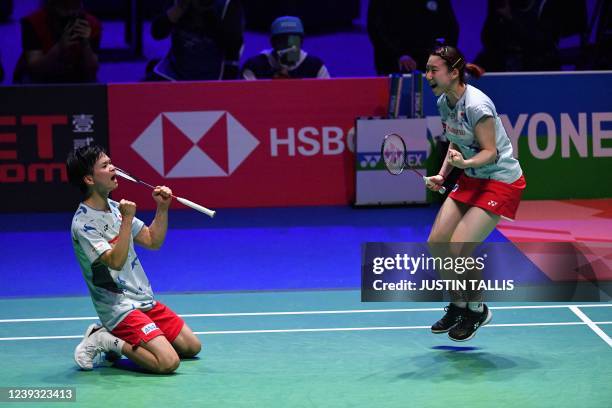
(140,327)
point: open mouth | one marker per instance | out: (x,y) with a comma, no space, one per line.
(433,85)
(114,178)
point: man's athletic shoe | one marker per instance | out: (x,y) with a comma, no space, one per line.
(88,348)
(470,322)
(449,320)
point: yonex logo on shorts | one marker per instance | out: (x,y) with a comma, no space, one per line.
(492,203)
(149,328)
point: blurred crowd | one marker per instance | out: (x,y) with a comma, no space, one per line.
(61,40)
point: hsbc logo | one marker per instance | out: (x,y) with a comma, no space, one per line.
(195,144)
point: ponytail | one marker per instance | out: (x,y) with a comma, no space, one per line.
(475,71)
(454,59)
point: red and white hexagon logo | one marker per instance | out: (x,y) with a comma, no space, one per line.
(195,144)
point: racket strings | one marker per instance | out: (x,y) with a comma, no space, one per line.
(394,155)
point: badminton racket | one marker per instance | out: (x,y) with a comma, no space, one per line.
(395,154)
(184,201)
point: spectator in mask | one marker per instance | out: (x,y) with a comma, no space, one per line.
(286,58)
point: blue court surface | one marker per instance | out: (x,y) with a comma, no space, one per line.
(273,296)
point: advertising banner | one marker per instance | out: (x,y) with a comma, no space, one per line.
(39,126)
(560,126)
(281,143)
(374,184)
(242,144)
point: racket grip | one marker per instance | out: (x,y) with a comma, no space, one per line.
(196,207)
(442,189)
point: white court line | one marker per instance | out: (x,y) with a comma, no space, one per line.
(334,329)
(48,319)
(41,338)
(312,312)
(592,325)
(326,329)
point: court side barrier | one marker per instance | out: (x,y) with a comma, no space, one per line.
(281,143)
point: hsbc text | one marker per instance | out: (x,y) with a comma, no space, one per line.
(309,141)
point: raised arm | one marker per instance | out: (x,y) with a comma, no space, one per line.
(153,236)
(115,258)
(484,132)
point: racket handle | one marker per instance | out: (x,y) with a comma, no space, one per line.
(196,207)
(441,190)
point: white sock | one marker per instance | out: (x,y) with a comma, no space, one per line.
(476,307)
(110,342)
(461,305)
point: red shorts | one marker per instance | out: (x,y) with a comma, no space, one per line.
(140,327)
(491,195)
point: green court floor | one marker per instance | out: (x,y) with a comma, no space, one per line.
(325,349)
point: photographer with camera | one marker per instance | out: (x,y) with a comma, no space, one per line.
(60,44)
(286,59)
